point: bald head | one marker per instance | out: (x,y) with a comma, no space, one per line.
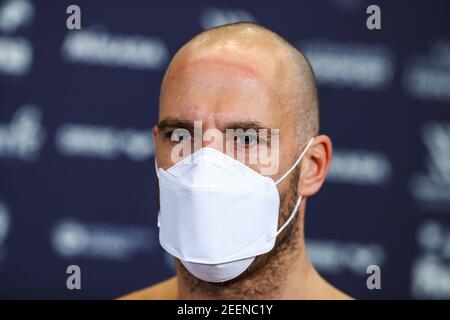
(262,53)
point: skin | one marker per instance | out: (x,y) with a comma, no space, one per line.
(238,76)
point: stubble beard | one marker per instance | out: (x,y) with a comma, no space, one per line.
(267,275)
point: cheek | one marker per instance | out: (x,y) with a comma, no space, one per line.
(163,151)
(289,194)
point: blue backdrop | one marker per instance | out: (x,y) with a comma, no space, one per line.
(77,182)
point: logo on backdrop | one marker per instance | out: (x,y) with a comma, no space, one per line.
(357,66)
(96,46)
(24,136)
(431,269)
(104,142)
(428,77)
(431,190)
(15,14)
(360,167)
(16,52)
(73,239)
(332,256)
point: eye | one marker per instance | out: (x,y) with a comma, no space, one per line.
(247,140)
(179,135)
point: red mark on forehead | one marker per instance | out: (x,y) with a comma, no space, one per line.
(249,71)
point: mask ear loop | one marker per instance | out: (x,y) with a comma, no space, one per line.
(157,174)
(156,168)
(296,162)
(299,200)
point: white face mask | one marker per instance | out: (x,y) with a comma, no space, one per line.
(217,214)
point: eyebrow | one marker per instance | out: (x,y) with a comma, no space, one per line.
(173,123)
(245,125)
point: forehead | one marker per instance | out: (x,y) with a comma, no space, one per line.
(220,87)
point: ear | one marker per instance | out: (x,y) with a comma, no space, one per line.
(155,136)
(315,166)
(155,133)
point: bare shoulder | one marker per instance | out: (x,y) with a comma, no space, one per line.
(165,290)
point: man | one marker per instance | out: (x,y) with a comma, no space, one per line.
(240,76)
